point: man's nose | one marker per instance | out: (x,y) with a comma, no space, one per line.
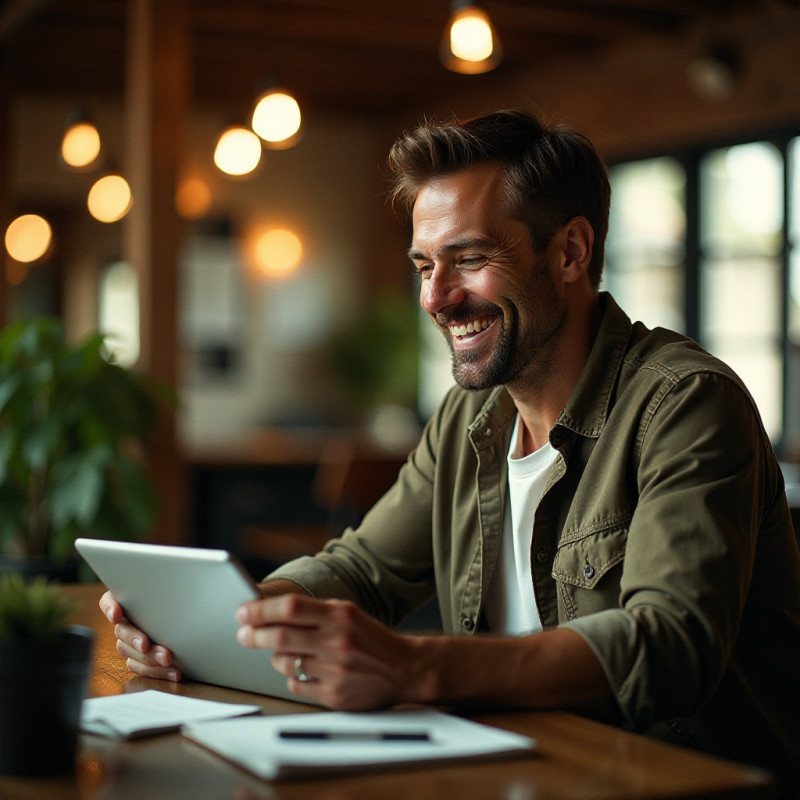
(442,290)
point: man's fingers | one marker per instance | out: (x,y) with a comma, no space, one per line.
(111,608)
(131,636)
(291,609)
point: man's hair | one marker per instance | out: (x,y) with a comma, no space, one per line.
(552,173)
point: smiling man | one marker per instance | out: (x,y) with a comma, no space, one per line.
(595,505)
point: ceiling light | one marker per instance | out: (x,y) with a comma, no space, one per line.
(193,197)
(28,238)
(278,252)
(80,146)
(470,44)
(110,198)
(276,119)
(238,151)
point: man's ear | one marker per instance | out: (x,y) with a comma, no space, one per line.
(578,244)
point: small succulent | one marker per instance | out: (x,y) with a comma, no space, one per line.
(31,611)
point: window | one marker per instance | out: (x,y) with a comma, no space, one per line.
(706,242)
(645,253)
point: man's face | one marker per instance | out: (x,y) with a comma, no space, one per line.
(493,298)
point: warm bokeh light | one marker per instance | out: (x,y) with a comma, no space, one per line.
(28,238)
(471,36)
(470,45)
(238,151)
(110,198)
(80,147)
(193,198)
(278,252)
(276,118)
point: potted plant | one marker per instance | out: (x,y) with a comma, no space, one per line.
(44,666)
(71,429)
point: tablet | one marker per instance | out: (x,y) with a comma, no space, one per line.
(185,598)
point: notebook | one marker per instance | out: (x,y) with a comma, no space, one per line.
(185,598)
(335,742)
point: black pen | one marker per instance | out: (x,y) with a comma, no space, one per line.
(356,736)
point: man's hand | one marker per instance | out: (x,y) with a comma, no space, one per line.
(353,662)
(149,660)
(143,657)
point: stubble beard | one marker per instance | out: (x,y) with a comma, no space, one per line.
(516,355)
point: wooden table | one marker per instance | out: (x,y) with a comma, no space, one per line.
(576,758)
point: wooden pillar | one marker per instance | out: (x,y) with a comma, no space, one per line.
(157,93)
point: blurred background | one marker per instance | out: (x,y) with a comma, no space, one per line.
(275,296)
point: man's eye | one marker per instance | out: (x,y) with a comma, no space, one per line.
(471,262)
(423,270)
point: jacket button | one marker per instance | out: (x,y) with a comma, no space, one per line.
(588,570)
(467,624)
(487,432)
(542,556)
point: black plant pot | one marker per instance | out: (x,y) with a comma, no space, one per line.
(42,686)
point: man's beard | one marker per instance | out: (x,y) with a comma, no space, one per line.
(515,351)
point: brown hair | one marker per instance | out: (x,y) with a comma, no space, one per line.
(552,172)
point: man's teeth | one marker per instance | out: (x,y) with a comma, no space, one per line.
(476,326)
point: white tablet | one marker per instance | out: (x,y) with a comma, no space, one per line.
(185,598)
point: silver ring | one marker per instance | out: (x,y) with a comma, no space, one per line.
(299,672)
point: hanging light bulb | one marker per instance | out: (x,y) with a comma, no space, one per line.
(238,151)
(109,198)
(193,197)
(80,146)
(28,238)
(276,119)
(278,252)
(470,44)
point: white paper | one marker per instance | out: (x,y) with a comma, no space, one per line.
(255,745)
(124,716)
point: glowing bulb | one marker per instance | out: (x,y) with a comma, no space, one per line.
(471,36)
(28,238)
(110,198)
(80,146)
(193,198)
(276,118)
(238,151)
(278,252)
(470,45)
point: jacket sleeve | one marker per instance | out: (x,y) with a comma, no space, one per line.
(705,485)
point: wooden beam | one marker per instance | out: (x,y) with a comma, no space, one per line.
(156,102)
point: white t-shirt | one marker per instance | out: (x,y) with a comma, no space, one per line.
(510,603)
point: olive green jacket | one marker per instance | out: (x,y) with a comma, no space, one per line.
(664,539)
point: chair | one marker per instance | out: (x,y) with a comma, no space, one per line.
(351,474)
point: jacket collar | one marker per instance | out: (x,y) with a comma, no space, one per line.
(588,407)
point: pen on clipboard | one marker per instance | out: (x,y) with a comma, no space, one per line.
(356,736)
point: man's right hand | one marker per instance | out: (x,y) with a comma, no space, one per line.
(150,660)
(143,657)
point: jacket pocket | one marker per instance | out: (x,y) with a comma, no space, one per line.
(587,569)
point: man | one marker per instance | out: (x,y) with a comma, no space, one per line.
(601,498)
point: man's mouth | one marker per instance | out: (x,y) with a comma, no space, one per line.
(465,330)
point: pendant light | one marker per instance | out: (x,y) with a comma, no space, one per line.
(277,118)
(238,151)
(80,145)
(470,44)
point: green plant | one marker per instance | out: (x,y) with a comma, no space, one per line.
(31,611)
(376,358)
(71,429)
